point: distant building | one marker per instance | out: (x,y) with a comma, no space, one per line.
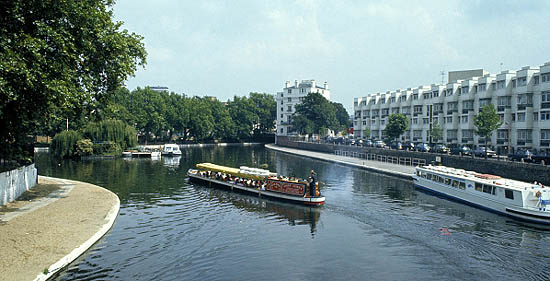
(521,98)
(290,97)
(159,88)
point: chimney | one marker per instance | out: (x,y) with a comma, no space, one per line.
(325,85)
(312,83)
(287,84)
(296,83)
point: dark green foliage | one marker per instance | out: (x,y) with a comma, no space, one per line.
(486,122)
(114,131)
(436,132)
(397,125)
(84,147)
(64,144)
(107,148)
(316,112)
(58,60)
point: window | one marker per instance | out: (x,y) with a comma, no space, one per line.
(289,108)
(427,95)
(462,185)
(426,121)
(502,134)
(514,83)
(521,117)
(449,119)
(364,123)
(403,98)
(289,91)
(452,106)
(544,134)
(537,78)
(501,84)
(418,133)
(449,92)
(281,116)
(509,194)
(482,87)
(525,99)
(545,99)
(479,187)
(406,110)
(417,109)
(282,109)
(504,101)
(468,105)
(289,99)
(392,99)
(282,102)
(415,96)
(415,120)
(282,95)
(465,90)
(281,130)
(544,115)
(464,119)
(447,181)
(484,102)
(545,77)
(451,134)
(383,121)
(467,134)
(383,100)
(435,94)
(525,135)
(522,81)
(535,116)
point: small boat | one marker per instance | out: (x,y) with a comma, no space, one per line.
(171,150)
(257,181)
(147,152)
(516,199)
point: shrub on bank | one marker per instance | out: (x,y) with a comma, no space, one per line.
(64,143)
(107,148)
(84,147)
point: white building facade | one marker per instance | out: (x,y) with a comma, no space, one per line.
(290,97)
(522,100)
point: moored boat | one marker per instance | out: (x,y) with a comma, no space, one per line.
(516,199)
(257,181)
(170,149)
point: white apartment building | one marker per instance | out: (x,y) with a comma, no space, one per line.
(522,100)
(290,97)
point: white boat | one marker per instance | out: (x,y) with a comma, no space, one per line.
(147,152)
(256,181)
(171,150)
(516,199)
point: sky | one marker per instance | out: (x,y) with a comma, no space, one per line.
(228,48)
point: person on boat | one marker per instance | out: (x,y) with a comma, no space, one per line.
(312,183)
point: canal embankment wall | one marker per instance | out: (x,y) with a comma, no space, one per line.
(15,182)
(527,172)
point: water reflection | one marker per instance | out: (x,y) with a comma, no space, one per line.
(171,161)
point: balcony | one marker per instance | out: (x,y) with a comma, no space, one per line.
(545,143)
(524,106)
(467,140)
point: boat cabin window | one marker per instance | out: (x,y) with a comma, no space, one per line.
(448,181)
(486,188)
(462,185)
(429,176)
(509,194)
(455,183)
(479,186)
(440,179)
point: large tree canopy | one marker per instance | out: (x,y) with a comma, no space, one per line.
(316,112)
(55,58)
(397,125)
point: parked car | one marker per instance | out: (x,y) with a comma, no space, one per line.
(440,148)
(422,147)
(396,145)
(458,150)
(408,145)
(481,152)
(368,143)
(521,155)
(542,156)
(379,144)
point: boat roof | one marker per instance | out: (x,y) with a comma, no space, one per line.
(482,178)
(171,145)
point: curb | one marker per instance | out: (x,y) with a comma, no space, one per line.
(77,252)
(364,167)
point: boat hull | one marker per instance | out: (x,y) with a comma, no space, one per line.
(481,202)
(311,201)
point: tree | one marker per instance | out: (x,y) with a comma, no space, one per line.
(486,122)
(57,57)
(342,116)
(436,132)
(265,108)
(397,125)
(318,110)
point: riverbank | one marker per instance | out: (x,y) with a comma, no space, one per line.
(396,170)
(41,237)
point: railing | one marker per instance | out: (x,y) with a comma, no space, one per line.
(405,161)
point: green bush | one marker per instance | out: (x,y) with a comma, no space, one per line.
(84,147)
(107,148)
(64,143)
(114,131)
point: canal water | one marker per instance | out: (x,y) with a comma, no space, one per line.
(373,227)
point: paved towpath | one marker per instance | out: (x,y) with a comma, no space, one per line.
(43,236)
(371,165)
